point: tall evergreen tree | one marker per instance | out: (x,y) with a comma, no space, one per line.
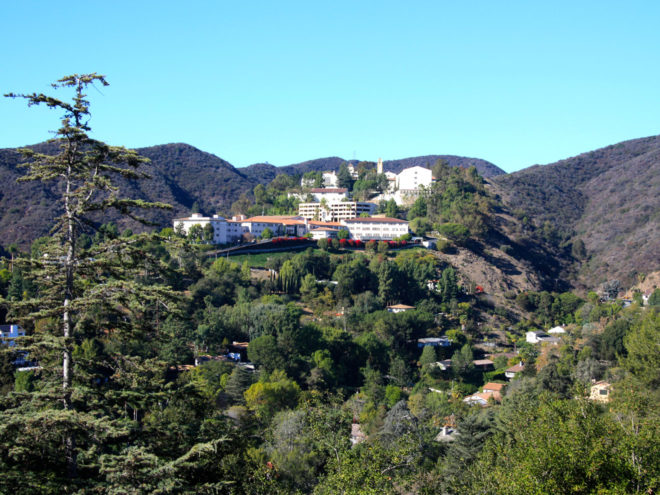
(79,290)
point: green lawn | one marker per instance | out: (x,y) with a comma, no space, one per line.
(258,260)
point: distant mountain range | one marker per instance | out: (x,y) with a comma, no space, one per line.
(609,198)
(264,172)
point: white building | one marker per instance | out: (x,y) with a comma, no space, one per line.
(411,179)
(385,229)
(324,233)
(391,181)
(278,225)
(335,211)
(330,194)
(329,179)
(537,337)
(224,231)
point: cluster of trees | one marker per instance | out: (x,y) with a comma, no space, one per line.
(550,308)
(457,205)
(272,199)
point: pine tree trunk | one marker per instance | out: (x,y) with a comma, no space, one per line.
(67,365)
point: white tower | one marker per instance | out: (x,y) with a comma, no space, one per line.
(379,167)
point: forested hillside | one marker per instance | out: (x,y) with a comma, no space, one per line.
(608,199)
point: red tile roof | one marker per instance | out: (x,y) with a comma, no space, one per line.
(495,387)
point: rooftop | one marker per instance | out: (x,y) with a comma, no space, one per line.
(496,387)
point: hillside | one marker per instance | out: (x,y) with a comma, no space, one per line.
(181,175)
(264,172)
(609,198)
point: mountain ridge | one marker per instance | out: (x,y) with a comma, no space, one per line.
(332,163)
(609,198)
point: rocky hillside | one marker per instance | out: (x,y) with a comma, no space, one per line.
(608,198)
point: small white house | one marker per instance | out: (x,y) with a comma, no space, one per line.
(557,330)
(537,337)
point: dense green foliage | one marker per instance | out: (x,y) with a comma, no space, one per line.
(157,402)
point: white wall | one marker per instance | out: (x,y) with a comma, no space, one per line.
(414,177)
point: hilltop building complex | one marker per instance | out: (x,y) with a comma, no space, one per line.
(234,230)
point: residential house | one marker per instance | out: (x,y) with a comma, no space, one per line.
(492,387)
(329,179)
(538,336)
(490,392)
(513,371)
(399,308)
(483,364)
(559,330)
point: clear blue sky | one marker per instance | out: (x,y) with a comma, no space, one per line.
(515,83)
